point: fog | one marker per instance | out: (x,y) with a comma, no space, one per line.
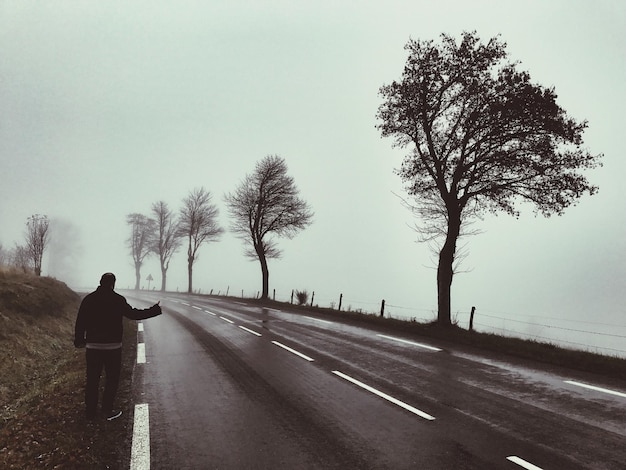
(110,107)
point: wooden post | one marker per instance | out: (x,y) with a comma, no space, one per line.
(274,294)
(340,299)
(291,296)
(227,290)
(312,298)
(242,293)
(382,308)
(471,325)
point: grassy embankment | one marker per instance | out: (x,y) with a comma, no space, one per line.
(42,382)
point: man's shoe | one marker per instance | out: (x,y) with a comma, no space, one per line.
(113,415)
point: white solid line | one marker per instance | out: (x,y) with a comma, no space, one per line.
(211,313)
(317,319)
(597,389)
(393,400)
(140,450)
(197,308)
(140,327)
(141,353)
(432,348)
(226,319)
(250,331)
(293,351)
(522,463)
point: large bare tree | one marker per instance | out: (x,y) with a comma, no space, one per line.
(37,236)
(482,137)
(266,203)
(167,239)
(198,224)
(141,241)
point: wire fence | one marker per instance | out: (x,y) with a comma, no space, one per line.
(599,337)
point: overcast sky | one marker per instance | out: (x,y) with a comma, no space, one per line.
(108,107)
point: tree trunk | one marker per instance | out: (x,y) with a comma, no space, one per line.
(264,272)
(137,275)
(163,278)
(190,274)
(445,270)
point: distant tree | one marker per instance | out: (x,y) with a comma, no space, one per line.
(482,137)
(141,241)
(20,258)
(167,239)
(4,256)
(266,203)
(198,224)
(37,236)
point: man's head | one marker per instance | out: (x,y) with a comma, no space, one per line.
(108,280)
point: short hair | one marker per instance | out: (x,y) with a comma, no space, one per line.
(108,280)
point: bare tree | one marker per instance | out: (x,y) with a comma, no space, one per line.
(141,241)
(266,203)
(198,224)
(37,236)
(168,238)
(483,136)
(4,256)
(20,258)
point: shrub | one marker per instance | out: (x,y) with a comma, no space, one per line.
(302,296)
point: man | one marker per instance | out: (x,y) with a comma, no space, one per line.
(99,329)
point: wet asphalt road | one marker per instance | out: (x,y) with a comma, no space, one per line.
(232,385)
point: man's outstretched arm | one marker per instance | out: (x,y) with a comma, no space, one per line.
(143,313)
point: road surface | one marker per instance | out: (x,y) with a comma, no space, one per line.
(232,385)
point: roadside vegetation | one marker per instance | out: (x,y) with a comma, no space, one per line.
(42,421)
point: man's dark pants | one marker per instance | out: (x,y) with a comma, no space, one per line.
(111,361)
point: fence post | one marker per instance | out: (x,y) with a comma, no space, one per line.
(471,325)
(291,296)
(242,293)
(312,298)
(274,294)
(227,291)
(382,308)
(340,299)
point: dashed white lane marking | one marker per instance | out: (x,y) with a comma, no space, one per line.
(227,319)
(522,463)
(597,389)
(317,319)
(141,353)
(250,331)
(140,327)
(412,343)
(185,303)
(211,313)
(140,449)
(393,400)
(196,307)
(293,351)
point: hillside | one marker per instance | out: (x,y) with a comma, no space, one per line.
(42,379)
(36,328)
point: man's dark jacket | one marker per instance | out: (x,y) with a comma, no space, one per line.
(100,315)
